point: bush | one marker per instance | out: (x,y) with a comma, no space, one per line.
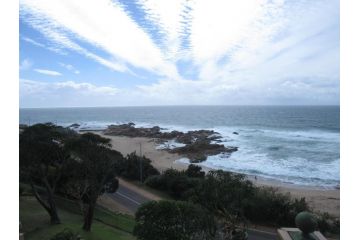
(222,193)
(175,183)
(270,206)
(156,182)
(328,224)
(66,234)
(195,171)
(173,220)
(130,167)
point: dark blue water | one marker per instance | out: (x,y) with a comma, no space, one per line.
(297,144)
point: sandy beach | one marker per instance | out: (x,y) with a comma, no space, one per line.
(323,200)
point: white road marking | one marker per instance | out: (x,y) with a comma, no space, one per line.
(127,197)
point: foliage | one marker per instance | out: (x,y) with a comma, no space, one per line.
(106,226)
(230,196)
(173,220)
(42,161)
(177,183)
(66,234)
(328,224)
(91,173)
(130,167)
(268,205)
(194,171)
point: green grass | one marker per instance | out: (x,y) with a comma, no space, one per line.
(106,226)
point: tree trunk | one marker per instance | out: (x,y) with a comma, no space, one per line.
(53,211)
(51,202)
(49,206)
(88,217)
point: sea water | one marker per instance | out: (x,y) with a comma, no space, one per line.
(293,144)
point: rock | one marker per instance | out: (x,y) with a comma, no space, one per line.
(235,133)
(199,143)
(74,125)
(199,150)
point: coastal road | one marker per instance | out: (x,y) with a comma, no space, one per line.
(132,199)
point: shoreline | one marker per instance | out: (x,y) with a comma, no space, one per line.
(319,198)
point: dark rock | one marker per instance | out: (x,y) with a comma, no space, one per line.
(199,150)
(75,125)
(199,143)
(235,133)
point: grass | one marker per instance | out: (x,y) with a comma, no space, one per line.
(106,226)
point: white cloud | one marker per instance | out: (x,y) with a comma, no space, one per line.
(104,24)
(47,72)
(38,44)
(26,39)
(241,51)
(172,18)
(25,64)
(70,68)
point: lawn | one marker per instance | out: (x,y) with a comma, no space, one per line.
(106,226)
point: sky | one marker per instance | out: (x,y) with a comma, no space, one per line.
(178,52)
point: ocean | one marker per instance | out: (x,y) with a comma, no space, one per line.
(291,144)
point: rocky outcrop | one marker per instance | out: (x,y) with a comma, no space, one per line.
(74,125)
(199,143)
(199,150)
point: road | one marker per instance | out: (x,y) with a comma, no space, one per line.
(132,199)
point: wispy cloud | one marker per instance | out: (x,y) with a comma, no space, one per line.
(25,64)
(47,72)
(70,68)
(104,24)
(38,44)
(234,49)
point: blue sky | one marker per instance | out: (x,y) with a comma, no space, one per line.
(178,52)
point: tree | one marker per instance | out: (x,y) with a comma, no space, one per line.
(173,220)
(225,194)
(93,172)
(135,167)
(195,171)
(42,161)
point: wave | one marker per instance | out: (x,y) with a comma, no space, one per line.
(305,157)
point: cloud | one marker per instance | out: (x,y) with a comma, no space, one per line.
(236,51)
(25,64)
(183,92)
(47,72)
(104,25)
(38,44)
(70,68)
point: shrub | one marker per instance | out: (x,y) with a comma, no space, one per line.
(131,167)
(173,220)
(270,206)
(195,171)
(156,182)
(66,234)
(175,183)
(328,224)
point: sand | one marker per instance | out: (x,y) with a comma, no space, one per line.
(322,200)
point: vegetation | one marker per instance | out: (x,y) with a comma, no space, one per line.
(92,172)
(66,234)
(135,167)
(58,166)
(230,196)
(173,220)
(42,161)
(57,160)
(106,226)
